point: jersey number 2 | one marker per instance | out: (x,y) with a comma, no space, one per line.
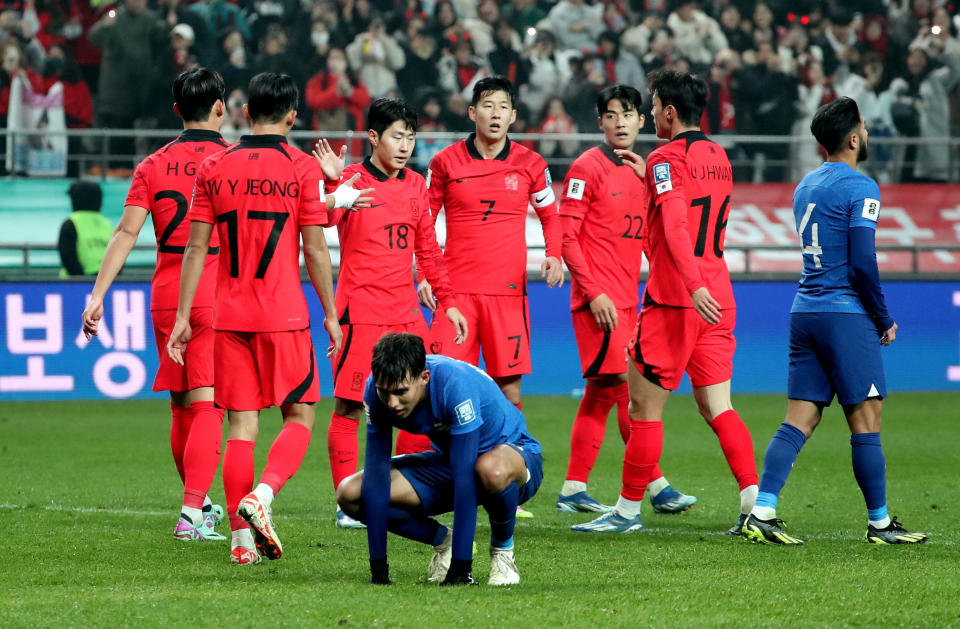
(814,248)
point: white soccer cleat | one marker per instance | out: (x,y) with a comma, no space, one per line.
(503,569)
(440,562)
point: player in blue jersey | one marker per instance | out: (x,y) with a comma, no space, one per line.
(838,323)
(483,455)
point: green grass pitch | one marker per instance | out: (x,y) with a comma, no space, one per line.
(90,499)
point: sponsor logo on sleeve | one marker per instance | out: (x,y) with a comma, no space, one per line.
(465,412)
(575,189)
(366,413)
(661,178)
(871,209)
(546,175)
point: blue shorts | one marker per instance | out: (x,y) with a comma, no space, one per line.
(834,353)
(432,478)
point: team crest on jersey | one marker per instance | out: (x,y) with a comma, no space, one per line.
(661,178)
(546,175)
(575,188)
(871,209)
(465,412)
(414,209)
(436,347)
(357,383)
(429,177)
(512,182)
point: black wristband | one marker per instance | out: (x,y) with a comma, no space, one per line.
(380,572)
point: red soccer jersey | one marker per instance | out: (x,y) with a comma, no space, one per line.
(162,185)
(377,246)
(486,203)
(611,202)
(685,248)
(259,193)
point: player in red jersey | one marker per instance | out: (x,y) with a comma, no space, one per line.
(603,209)
(485,185)
(162,185)
(263,195)
(375,293)
(688,314)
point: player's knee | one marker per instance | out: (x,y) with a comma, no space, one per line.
(349,494)
(492,474)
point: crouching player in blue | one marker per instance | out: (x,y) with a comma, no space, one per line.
(483,455)
(838,323)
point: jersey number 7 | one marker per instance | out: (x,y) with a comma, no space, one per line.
(814,247)
(269,248)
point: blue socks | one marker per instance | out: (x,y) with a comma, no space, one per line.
(777,463)
(870,470)
(502,509)
(417,527)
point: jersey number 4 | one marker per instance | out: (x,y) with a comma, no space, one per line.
(269,248)
(814,248)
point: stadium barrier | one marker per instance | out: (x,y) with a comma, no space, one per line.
(44,355)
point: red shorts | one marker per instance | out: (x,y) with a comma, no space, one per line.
(261,369)
(198,368)
(500,324)
(669,341)
(603,352)
(351,366)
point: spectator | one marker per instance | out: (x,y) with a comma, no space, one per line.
(319,46)
(444,21)
(460,69)
(236,123)
(698,36)
(524,14)
(132,39)
(77,102)
(23,28)
(813,90)
(221,17)
(338,98)
(556,120)
(505,60)
(12,65)
(175,12)
(734,29)
(235,67)
(615,16)
(637,38)
(579,94)
(278,56)
(69,22)
(620,66)
(422,56)
(720,115)
(763,25)
(376,57)
(545,76)
(575,24)
(181,42)
(481,27)
(431,119)
(662,51)
(455,113)
(85,234)
(522,125)
(357,15)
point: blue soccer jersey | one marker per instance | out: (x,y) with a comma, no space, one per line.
(827,204)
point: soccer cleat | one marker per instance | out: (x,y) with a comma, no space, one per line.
(242,556)
(611,522)
(344,521)
(738,527)
(503,569)
(464,579)
(259,518)
(581,502)
(770,531)
(440,562)
(215,514)
(523,513)
(669,500)
(187,532)
(894,533)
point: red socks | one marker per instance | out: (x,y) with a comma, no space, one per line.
(737,447)
(408,443)
(237,477)
(202,452)
(286,455)
(589,428)
(342,447)
(641,458)
(182,417)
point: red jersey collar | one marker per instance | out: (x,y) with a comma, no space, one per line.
(607,151)
(690,137)
(266,140)
(475,154)
(378,174)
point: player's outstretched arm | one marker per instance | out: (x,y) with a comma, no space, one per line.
(330,162)
(194,257)
(634,161)
(118,249)
(349,198)
(375,494)
(317,257)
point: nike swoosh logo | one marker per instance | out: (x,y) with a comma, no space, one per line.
(459,180)
(343,461)
(512,366)
(373,205)
(540,199)
(617,194)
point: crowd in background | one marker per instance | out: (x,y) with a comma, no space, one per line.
(769,63)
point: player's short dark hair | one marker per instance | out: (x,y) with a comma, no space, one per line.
(686,92)
(385,111)
(397,357)
(833,123)
(629,97)
(195,91)
(493,84)
(271,96)
(85,195)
